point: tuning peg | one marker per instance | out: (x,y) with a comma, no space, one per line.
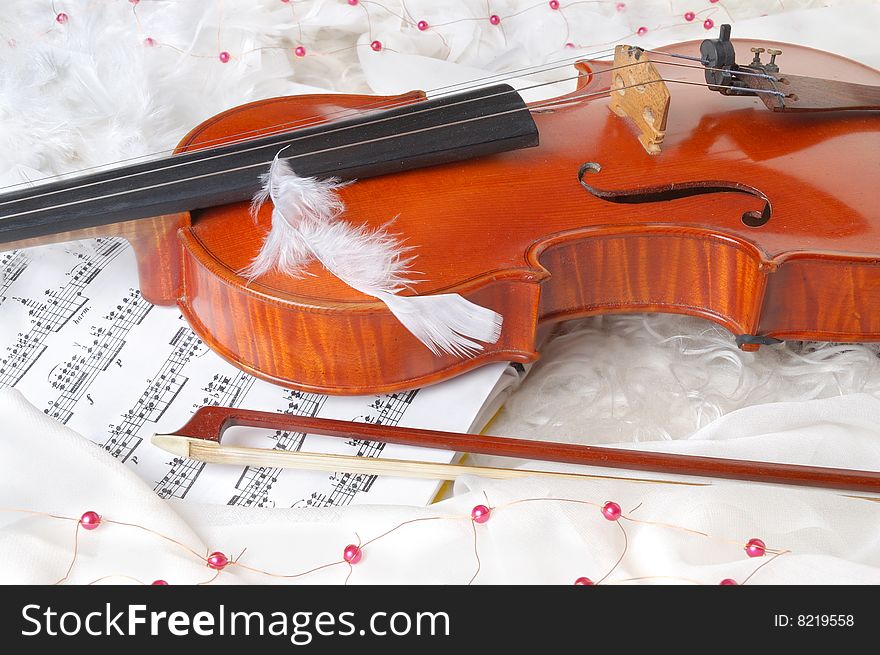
(773,54)
(757,59)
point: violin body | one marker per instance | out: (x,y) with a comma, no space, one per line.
(517,232)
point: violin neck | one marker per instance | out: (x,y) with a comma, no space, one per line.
(436,131)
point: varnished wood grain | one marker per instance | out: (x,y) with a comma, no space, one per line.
(653,270)
(155,245)
(517,233)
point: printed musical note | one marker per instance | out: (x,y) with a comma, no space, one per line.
(51,311)
(73,378)
(161,391)
(12,264)
(79,340)
(255,483)
(222,390)
(386,410)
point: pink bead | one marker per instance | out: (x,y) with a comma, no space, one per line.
(480,514)
(713,1)
(352,554)
(756,548)
(299,51)
(422,25)
(159,583)
(727,582)
(642,31)
(90,520)
(495,19)
(611,511)
(621,6)
(708,24)
(376,46)
(62,18)
(554,4)
(224,57)
(352,2)
(134,2)
(689,16)
(149,42)
(217,561)
(584,582)
(569,45)
(285,1)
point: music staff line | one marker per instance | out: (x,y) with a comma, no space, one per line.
(389,410)
(73,378)
(52,312)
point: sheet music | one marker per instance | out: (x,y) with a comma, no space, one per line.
(80,342)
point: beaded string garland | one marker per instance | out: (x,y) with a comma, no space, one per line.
(704,15)
(356,554)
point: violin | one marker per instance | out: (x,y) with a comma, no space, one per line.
(676,180)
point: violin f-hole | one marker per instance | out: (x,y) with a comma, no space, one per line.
(676,190)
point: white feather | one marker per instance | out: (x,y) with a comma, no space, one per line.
(445,322)
(299,202)
(306,227)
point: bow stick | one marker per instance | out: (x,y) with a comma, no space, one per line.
(200,440)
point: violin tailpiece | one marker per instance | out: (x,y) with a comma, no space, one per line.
(639,93)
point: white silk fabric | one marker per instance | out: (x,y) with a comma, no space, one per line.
(830,536)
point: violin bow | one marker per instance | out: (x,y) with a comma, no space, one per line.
(200,439)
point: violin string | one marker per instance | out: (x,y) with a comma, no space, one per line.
(380,104)
(739,71)
(431,94)
(298,137)
(294,138)
(540,105)
(447,90)
(442,91)
(287,143)
(676,55)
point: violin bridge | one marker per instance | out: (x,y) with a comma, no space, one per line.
(639,93)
